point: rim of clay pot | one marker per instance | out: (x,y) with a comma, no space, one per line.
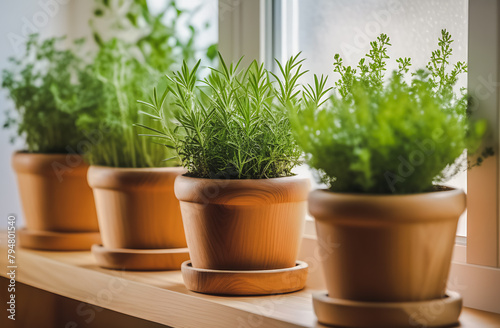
(242,191)
(125,178)
(48,164)
(432,206)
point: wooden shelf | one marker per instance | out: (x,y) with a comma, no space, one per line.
(162,298)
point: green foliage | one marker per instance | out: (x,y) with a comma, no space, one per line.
(155,36)
(45,85)
(124,69)
(440,79)
(87,102)
(387,137)
(122,79)
(231,127)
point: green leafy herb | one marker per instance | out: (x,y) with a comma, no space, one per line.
(388,137)
(231,126)
(124,70)
(45,87)
(122,79)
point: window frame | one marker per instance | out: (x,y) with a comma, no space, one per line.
(257,30)
(483,232)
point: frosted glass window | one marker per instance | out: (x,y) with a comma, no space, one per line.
(322,28)
(326,27)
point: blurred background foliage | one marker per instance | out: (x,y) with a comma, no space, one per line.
(74,100)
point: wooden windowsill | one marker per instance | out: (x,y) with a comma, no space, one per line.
(162,298)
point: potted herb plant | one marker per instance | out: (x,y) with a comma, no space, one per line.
(57,202)
(384,147)
(133,190)
(241,206)
(138,213)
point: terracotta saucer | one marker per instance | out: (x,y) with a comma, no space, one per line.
(57,241)
(140,259)
(345,313)
(258,282)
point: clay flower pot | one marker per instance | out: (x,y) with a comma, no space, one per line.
(243,224)
(387,248)
(137,208)
(54,193)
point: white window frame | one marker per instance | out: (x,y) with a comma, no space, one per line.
(246,29)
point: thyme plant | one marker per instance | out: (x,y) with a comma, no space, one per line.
(231,126)
(44,85)
(396,136)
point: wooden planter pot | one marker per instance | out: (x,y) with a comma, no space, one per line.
(57,202)
(387,248)
(139,218)
(241,225)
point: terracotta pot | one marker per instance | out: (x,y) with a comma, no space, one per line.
(243,224)
(54,192)
(387,248)
(137,208)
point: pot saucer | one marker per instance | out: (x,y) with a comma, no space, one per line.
(254,282)
(346,313)
(140,259)
(57,241)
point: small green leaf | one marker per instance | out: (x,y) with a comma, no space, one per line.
(212,51)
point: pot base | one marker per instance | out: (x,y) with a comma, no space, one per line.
(346,313)
(140,259)
(57,241)
(258,282)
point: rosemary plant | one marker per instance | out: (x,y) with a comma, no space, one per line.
(231,126)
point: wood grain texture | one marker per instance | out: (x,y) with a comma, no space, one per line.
(243,224)
(256,282)
(54,192)
(242,192)
(137,208)
(57,241)
(140,259)
(158,296)
(37,308)
(344,313)
(42,313)
(393,248)
(161,297)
